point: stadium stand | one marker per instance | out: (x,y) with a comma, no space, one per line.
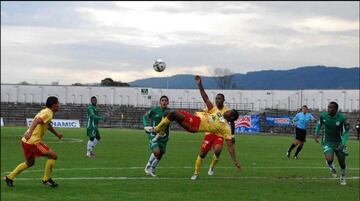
(122,116)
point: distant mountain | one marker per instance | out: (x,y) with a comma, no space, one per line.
(309,77)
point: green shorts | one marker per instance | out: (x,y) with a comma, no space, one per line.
(159,144)
(94,133)
(330,149)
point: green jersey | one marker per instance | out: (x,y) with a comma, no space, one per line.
(93,116)
(155,115)
(334,128)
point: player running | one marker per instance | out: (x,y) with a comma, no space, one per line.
(158,147)
(301,122)
(211,120)
(33,146)
(335,135)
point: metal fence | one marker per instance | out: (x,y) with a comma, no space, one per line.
(201,105)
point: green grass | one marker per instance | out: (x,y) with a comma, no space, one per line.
(117,172)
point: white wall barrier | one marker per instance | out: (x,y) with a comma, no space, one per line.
(292,100)
(60,123)
(1,121)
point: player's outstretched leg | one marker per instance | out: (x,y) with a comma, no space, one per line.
(9,179)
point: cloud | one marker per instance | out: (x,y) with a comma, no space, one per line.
(87,41)
(326,24)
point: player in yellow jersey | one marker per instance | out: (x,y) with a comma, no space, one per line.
(214,141)
(211,120)
(33,147)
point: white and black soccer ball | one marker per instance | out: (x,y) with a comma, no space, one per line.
(159,65)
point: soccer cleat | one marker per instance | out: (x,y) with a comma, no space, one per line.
(90,156)
(288,154)
(211,171)
(343,180)
(333,173)
(295,157)
(147,170)
(149,129)
(9,182)
(50,183)
(194,177)
(150,172)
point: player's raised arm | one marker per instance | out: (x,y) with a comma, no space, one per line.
(205,97)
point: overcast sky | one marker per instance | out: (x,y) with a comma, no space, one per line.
(85,42)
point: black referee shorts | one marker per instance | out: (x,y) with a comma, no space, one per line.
(300,134)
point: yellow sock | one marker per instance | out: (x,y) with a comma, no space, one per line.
(21,167)
(48,169)
(214,161)
(198,163)
(160,128)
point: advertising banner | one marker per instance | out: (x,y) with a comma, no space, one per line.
(279,120)
(247,123)
(60,123)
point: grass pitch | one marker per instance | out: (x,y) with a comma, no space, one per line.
(117,172)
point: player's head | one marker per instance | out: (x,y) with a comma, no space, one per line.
(304,109)
(231,115)
(332,108)
(52,102)
(93,100)
(164,101)
(219,100)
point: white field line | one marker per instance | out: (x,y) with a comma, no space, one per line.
(186,178)
(66,140)
(136,168)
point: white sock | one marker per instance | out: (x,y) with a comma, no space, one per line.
(342,172)
(95,142)
(151,159)
(89,147)
(155,163)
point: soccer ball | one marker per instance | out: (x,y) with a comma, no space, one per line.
(159,65)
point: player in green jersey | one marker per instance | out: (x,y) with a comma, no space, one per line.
(92,130)
(335,135)
(158,147)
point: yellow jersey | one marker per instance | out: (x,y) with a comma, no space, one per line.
(46,115)
(213,121)
(223,110)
